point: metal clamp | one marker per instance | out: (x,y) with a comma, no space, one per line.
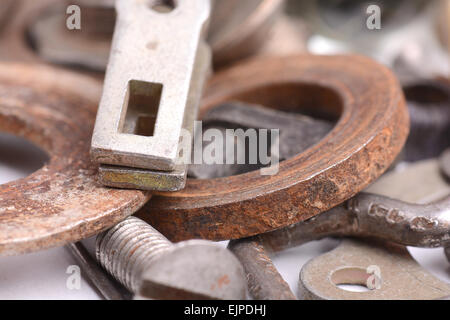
(151,86)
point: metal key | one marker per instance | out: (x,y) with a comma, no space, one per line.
(153,84)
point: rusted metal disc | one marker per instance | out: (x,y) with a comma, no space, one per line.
(370,133)
(61,202)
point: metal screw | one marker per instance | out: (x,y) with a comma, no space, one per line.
(148,264)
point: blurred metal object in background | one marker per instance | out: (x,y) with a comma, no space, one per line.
(444,24)
(407,37)
(5,10)
(88,47)
(429,107)
(346,19)
(238,29)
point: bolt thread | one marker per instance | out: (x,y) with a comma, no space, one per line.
(126,249)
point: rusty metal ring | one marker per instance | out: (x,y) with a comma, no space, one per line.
(370,133)
(61,202)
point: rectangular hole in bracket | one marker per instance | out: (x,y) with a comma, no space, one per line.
(142,104)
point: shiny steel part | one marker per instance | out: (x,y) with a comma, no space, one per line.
(148,264)
(297,133)
(143,105)
(445,163)
(62,202)
(88,47)
(130,178)
(263,280)
(14,45)
(338,222)
(360,148)
(240,28)
(402,278)
(95,274)
(346,19)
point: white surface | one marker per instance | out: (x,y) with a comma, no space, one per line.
(43,275)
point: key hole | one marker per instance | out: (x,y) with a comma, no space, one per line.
(162,6)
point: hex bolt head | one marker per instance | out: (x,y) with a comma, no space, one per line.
(151,266)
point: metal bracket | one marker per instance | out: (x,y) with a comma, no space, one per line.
(148,84)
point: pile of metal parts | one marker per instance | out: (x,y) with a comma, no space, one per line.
(114,145)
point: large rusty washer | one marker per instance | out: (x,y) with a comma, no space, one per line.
(370,133)
(62,202)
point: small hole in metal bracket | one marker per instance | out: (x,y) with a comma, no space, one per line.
(143,99)
(351,279)
(162,6)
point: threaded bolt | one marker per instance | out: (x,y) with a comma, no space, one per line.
(146,263)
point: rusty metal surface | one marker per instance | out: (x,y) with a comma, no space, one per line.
(369,135)
(14,45)
(263,280)
(417,227)
(402,278)
(340,222)
(62,202)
